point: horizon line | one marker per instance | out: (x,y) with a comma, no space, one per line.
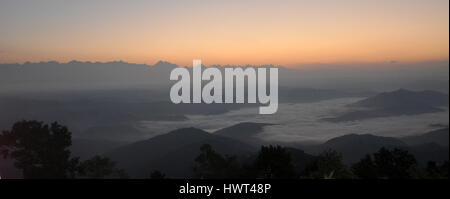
(393,62)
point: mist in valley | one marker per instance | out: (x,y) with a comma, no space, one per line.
(112,105)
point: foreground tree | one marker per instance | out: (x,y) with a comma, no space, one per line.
(274,162)
(41,151)
(365,168)
(100,167)
(210,164)
(393,164)
(156,174)
(436,170)
(327,165)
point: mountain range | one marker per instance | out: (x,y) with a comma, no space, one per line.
(395,103)
(174,153)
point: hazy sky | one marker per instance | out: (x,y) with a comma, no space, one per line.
(225,31)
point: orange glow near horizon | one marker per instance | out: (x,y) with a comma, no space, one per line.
(285,33)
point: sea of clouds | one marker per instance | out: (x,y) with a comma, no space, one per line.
(299,122)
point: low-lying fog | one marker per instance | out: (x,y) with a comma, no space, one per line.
(302,122)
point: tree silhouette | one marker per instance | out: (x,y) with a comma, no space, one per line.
(393,163)
(365,168)
(435,170)
(39,150)
(210,164)
(274,162)
(156,174)
(327,164)
(100,167)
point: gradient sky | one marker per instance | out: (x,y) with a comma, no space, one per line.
(225,32)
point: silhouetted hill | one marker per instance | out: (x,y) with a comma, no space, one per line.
(404,100)
(399,102)
(439,137)
(101,114)
(173,153)
(353,147)
(114,132)
(244,132)
(87,148)
(305,95)
(429,152)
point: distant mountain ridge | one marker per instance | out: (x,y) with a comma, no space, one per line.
(355,146)
(83,75)
(395,103)
(428,146)
(440,137)
(174,153)
(404,98)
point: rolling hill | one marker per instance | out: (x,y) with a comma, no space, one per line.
(353,147)
(439,137)
(173,153)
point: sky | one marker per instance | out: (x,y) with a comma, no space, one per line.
(282,32)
